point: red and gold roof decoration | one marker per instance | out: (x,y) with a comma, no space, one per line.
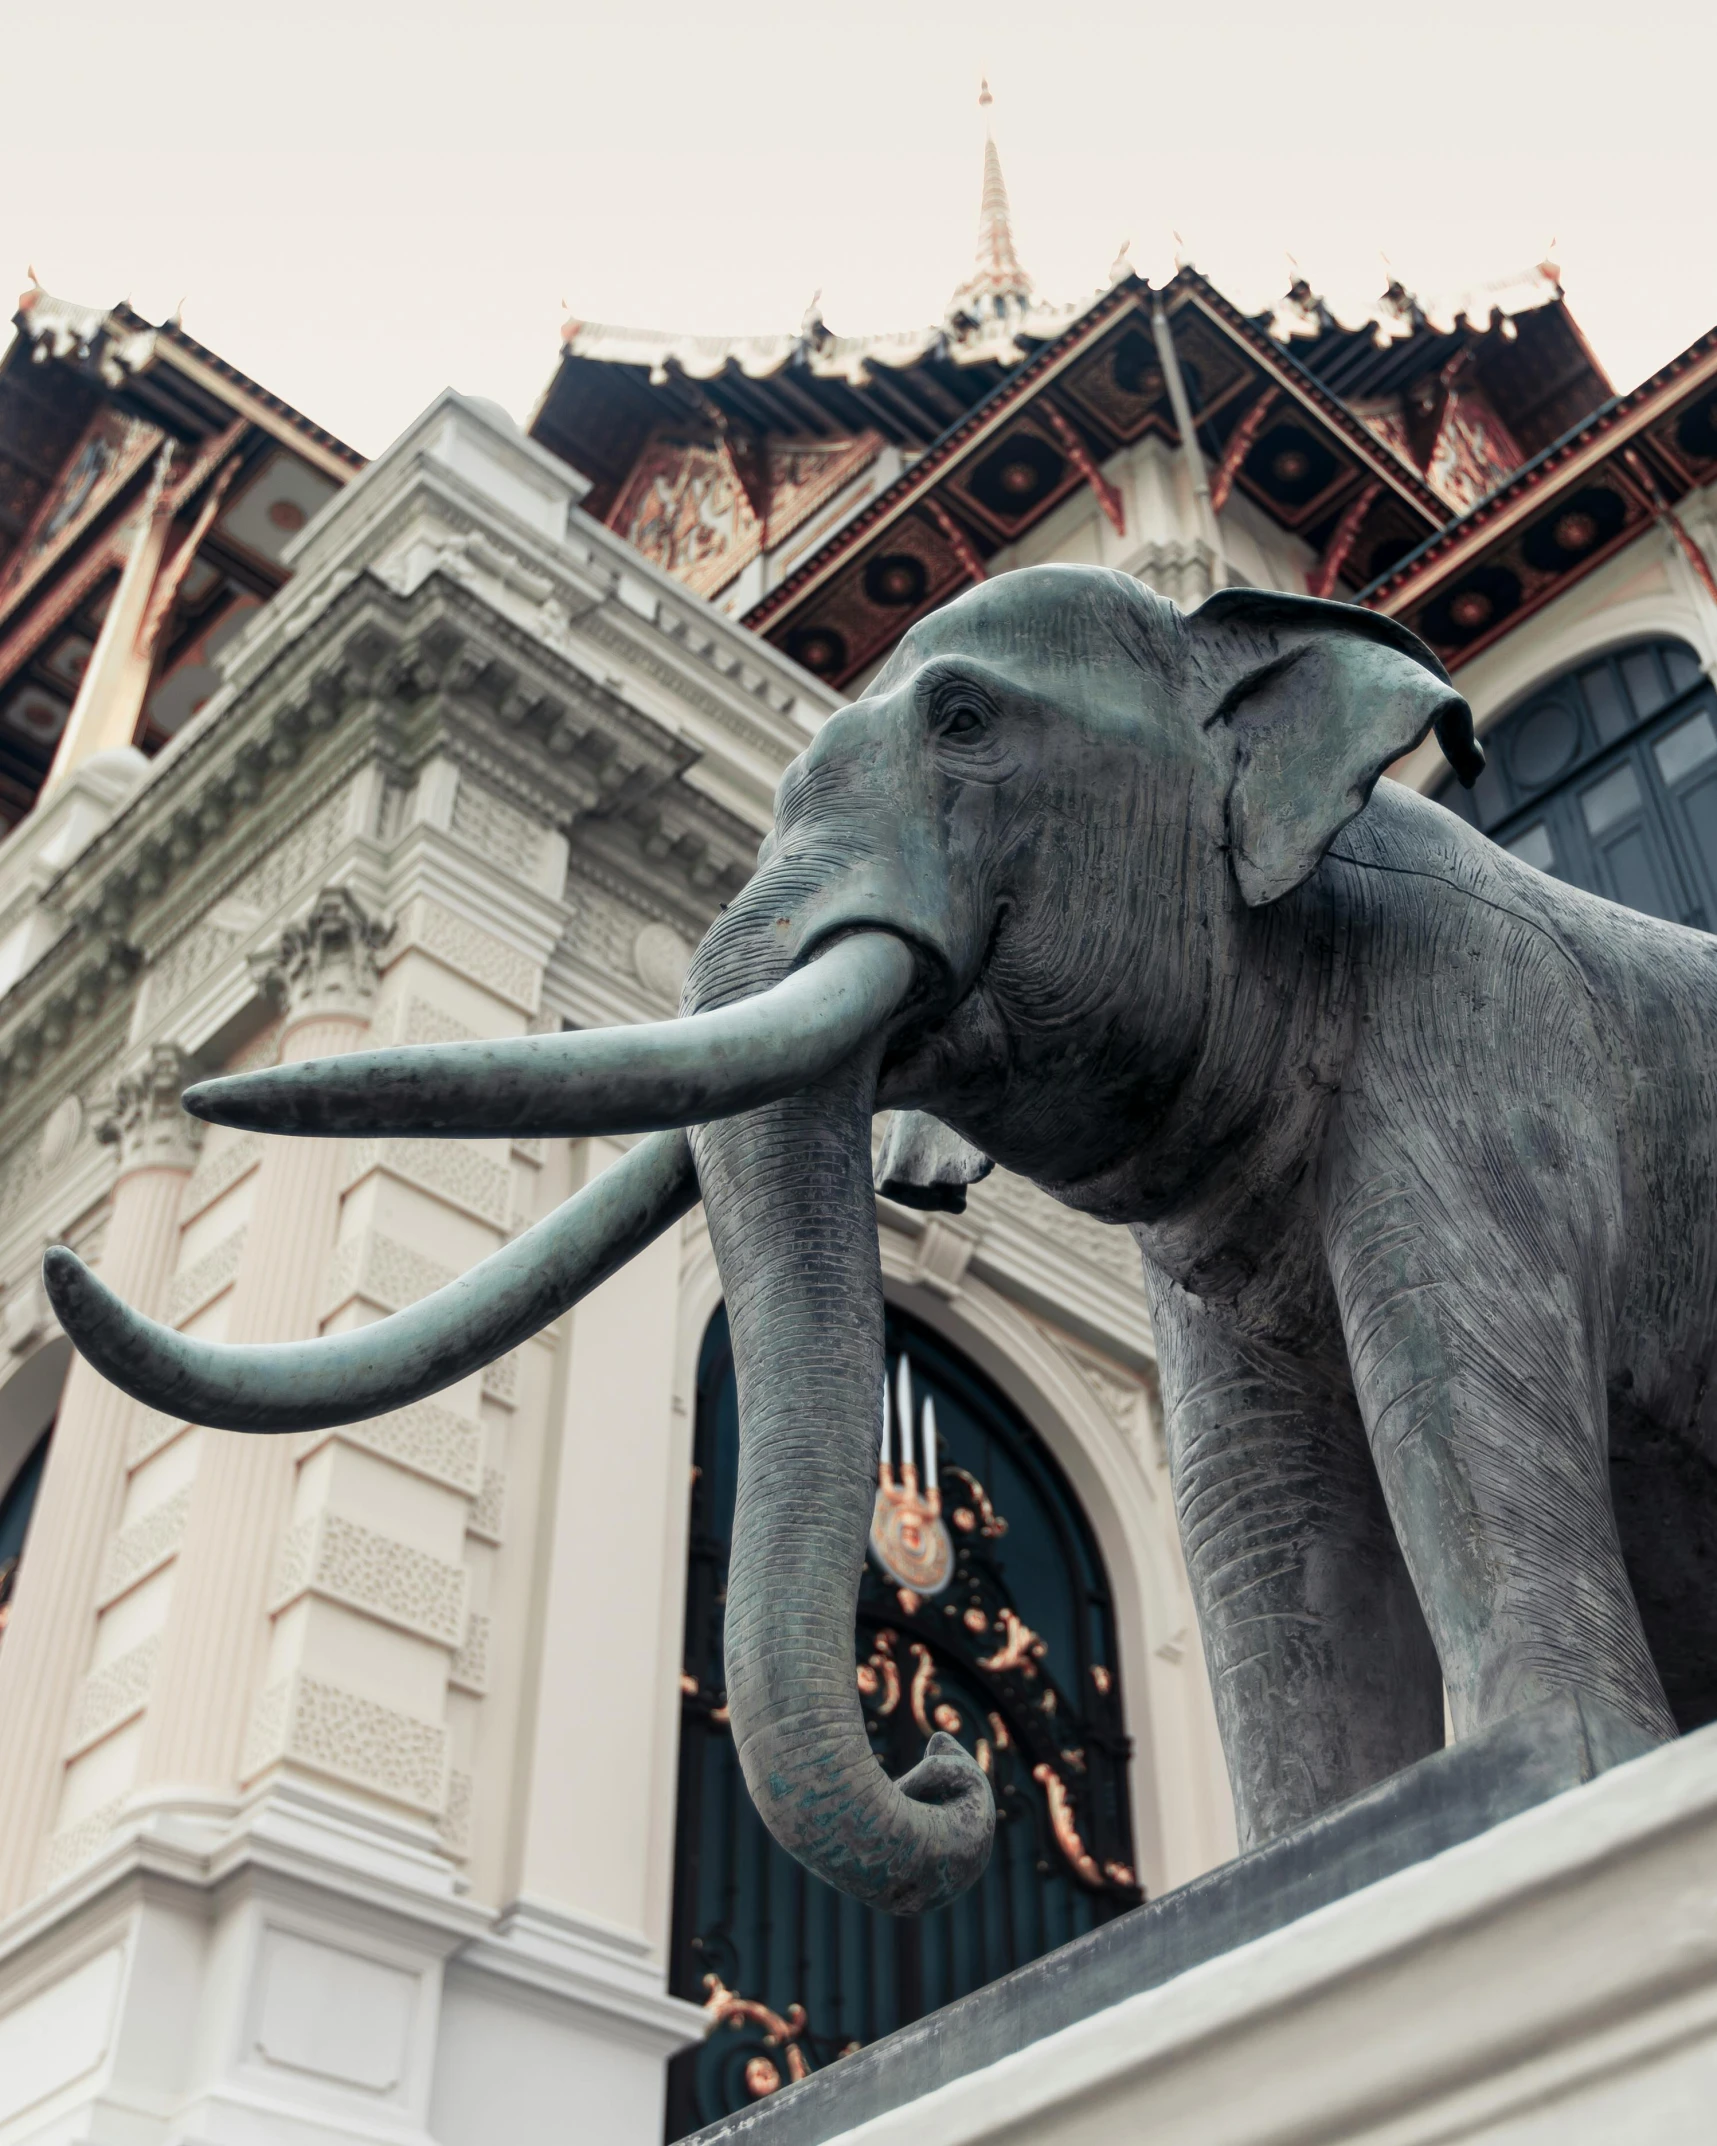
(1269,428)
(703,508)
(1582,499)
(1362,440)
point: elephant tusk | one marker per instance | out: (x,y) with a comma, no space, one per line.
(341,1378)
(638,1079)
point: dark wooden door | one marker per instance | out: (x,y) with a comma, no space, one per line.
(1014,1653)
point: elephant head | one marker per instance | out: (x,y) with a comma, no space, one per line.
(1003,888)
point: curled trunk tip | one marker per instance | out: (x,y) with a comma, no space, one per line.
(792,1215)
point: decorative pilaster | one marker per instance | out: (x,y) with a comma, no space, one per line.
(323,970)
(594,1840)
(48,1635)
(324,966)
(142,1117)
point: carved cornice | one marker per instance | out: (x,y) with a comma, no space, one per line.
(369,675)
(142,1117)
(325,963)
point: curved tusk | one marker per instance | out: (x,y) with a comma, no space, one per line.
(595,1080)
(341,1378)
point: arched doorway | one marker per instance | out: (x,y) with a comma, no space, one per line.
(1607,777)
(1014,1652)
(28,1403)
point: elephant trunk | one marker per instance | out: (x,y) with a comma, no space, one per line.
(787,1189)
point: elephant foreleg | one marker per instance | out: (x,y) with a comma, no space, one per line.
(1473,1309)
(1320,1665)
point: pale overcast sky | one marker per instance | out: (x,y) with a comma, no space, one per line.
(359,203)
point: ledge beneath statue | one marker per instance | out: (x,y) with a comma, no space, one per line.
(1465,1952)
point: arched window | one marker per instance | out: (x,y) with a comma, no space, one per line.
(29,1402)
(17,1502)
(1607,777)
(1007,1641)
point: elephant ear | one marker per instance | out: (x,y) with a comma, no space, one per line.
(1320,699)
(926,1164)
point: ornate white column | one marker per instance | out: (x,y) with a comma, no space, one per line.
(594,1838)
(48,1637)
(324,970)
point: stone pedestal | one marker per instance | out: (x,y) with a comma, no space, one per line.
(1547,1981)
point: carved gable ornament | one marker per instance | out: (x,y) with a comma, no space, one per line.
(691,509)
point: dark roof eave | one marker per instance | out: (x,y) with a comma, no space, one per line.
(1329,405)
(937,452)
(1408,484)
(176,339)
(1531,474)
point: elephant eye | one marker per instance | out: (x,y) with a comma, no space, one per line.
(961,713)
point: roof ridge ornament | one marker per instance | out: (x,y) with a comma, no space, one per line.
(998,290)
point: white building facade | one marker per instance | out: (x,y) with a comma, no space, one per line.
(339,1771)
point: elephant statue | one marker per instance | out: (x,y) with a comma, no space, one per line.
(1419,1148)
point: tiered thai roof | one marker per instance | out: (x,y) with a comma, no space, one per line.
(1369,440)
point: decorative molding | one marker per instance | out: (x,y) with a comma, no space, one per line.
(425,1439)
(942,1254)
(336,1559)
(415,1020)
(143,1547)
(221,1167)
(151,1429)
(200,1284)
(199,935)
(142,1117)
(195,954)
(501,834)
(61,1131)
(470,1670)
(488,1515)
(27,1318)
(471,952)
(1124,1395)
(603,929)
(455,1827)
(326,962)
(76,1844)
(383,1272)
(66,994)
(304,1721)
(660,958)
(299,855)
(501,1380)
(450,1170)
(110,1697)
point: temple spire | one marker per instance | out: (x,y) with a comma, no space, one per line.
(998,287)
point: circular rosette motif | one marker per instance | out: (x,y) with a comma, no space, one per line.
(911,1544)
